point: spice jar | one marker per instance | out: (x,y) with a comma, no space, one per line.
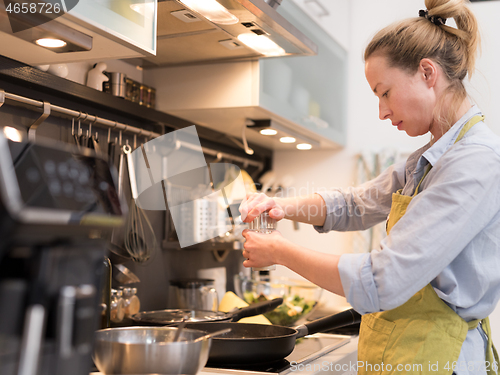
(131,303)
(143,90)
(117,312)
(264,224)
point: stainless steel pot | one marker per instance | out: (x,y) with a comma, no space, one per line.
(150,350)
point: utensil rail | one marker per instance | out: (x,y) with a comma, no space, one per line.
(114,125)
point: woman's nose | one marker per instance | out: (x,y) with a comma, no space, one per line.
(383,111)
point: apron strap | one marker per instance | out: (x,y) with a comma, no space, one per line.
(473,121)
(491,352)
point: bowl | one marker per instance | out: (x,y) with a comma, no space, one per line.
(300,297)
(150,350)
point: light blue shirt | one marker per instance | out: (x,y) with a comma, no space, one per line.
(449,236)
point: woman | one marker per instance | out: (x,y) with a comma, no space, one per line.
(436,274)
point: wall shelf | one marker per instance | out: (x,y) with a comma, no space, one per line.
(25,80)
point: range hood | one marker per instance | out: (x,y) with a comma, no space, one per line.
(185,36)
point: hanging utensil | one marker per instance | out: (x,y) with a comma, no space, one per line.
(140,240)
(123,275)
(74,135)
(118,254)
(95,143)
(111,149)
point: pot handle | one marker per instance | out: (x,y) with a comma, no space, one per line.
(256,309)
(342,319)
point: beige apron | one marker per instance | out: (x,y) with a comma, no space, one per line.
(422,336)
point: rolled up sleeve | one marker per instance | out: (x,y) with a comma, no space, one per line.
(359,208)
(357,280)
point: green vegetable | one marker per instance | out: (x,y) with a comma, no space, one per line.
(289,312)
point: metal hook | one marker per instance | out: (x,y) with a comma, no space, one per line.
(2,97)
(38,121)
(120,139)
(79,132)
(109,135)
(96,119)
(135,141)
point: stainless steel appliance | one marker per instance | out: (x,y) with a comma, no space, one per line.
(56,203)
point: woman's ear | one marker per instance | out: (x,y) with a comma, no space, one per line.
(428,70)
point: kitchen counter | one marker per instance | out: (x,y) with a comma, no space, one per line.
(341,361)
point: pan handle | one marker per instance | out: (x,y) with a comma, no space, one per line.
(256,309)
(344,318)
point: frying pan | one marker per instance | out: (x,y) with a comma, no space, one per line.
(257,343)
(172,317)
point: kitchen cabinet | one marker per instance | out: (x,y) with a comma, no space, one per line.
(332,15)
(133,23)
(116,29)
(304,97)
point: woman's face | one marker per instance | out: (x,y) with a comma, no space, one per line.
(406,99)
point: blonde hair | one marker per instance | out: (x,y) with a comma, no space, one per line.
(406,43)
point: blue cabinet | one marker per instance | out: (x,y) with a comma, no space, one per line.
(131,22)
(311,91)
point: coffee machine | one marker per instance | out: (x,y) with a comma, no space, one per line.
(57,205)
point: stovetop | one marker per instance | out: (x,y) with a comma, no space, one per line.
(307,349)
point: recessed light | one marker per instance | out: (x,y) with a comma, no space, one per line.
(212,10)
(262,44)
(268,132)
(304,146)
(50,42)
(287,140)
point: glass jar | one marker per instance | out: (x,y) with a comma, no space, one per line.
(264,224)
(150,103)
(117,312)
(131,303)
(143,91)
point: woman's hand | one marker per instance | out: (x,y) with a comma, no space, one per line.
(262,250)
(257,203)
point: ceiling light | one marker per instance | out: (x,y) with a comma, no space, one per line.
(13,134)
(304,146)
(261,44)
(50,42)
(211,10)
(268,131)
(287,140)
